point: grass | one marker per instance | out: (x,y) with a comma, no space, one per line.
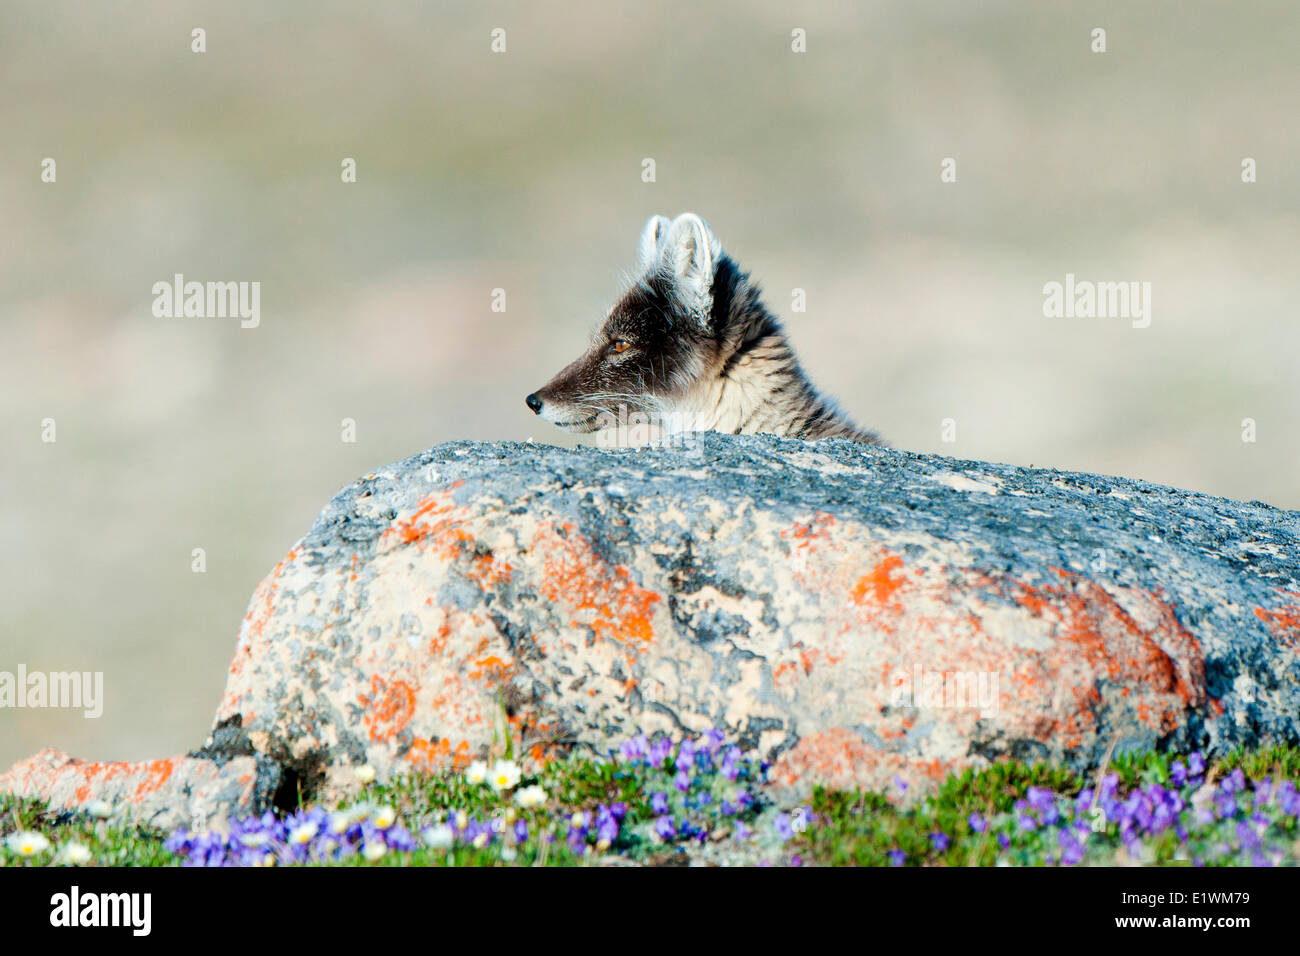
(1241,809)
(865,828)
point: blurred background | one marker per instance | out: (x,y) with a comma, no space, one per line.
(522,171)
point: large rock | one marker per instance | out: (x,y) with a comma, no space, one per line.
(809,598)
(185,790)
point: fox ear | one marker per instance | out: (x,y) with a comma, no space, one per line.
(690,254)
(652,240)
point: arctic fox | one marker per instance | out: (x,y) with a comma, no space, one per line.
(691,347)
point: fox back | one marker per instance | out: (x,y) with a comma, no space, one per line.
(691,348)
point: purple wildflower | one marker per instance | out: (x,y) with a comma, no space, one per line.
(1109,785)
(399,838)
(1040,799)
(1225,804)
(782,825)
(1247,836)
(635,750)
(1071,848)
(1288,798)
(659,750)
(731,763)
(685,755)
(179,842)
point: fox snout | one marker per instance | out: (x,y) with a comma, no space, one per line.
(565,401)
(559,397)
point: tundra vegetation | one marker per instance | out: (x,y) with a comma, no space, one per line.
(701,800)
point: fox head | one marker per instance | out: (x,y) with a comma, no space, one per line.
(657,342)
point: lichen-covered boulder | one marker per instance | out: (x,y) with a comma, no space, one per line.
(855,613)
(179,791)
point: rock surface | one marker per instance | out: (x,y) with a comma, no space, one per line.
(177,791)
(856,614)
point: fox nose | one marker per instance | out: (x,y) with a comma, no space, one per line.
(535,403)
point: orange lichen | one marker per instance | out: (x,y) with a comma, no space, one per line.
(877,586)
(602,597)
(152,775)
(1283,621)
(1107,637)
(818,529)
(433,756)
(156,774)
(785,673)
(1095,652)
(490,666)
(416,528)
(438,643)
(438,523)
(486,571)
(389,707)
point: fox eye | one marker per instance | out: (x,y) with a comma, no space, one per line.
(620,345)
